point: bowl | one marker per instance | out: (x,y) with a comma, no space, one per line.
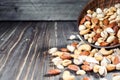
(92,5)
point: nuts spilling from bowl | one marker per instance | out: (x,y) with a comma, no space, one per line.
(102,26)
(84,59)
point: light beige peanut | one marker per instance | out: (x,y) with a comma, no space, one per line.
(66,62)
(80,72)
(110,67)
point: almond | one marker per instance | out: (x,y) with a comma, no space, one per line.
(115,41)
(115,28)
(95,38)
(104,44)
(105,22)
(73,67)
(64,49)
(113,24)
(86,68)
(86,78)
(116,60)
(65,55)
(54,72)
(74,44)
(85,53)
(94,21)
(87,18)
(82,21)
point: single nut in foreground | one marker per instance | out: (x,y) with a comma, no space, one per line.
(73,67)
(54,72)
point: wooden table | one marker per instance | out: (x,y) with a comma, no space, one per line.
(23,47)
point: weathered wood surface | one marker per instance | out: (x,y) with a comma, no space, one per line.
(41,9)
(23,46)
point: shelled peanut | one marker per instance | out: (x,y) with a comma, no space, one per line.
(102,26)
(83,58)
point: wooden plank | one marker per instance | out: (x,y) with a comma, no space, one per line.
(41,9)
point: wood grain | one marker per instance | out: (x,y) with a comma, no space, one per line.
(41,9)
(23,47)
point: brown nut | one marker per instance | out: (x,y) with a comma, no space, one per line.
(74,44)
(104,44)
(73,67)
(94,21)
(86,68)
(105,22)
(115,28)
(64,49)
(82,21)
(65,55)
(86,78)
(113,24)
(87,18)
(116,60)
(85,53)
(95,38)
(54,72)
(115,41)
(110,67)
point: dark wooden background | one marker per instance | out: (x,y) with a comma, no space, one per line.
(41,9)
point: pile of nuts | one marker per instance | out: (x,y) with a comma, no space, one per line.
(81,58)
(102,26)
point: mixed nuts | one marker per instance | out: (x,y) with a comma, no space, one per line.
(101,27)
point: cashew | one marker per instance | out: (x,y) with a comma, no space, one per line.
(109,30)
(100,16)
(106,52)
(112,17)
(87,24)
(118,11)
(90,40)
(83,32)
(100,40)
(77,61)
(92,34)
(103,71)
(86,36)
(118,66)
(104,34)
(93,52)
(82,27)
(70,48)
(118,34)
(98,10)
(68,76)
(84,47)
(89,12)
(94,14)
(116,77)
(110,39)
